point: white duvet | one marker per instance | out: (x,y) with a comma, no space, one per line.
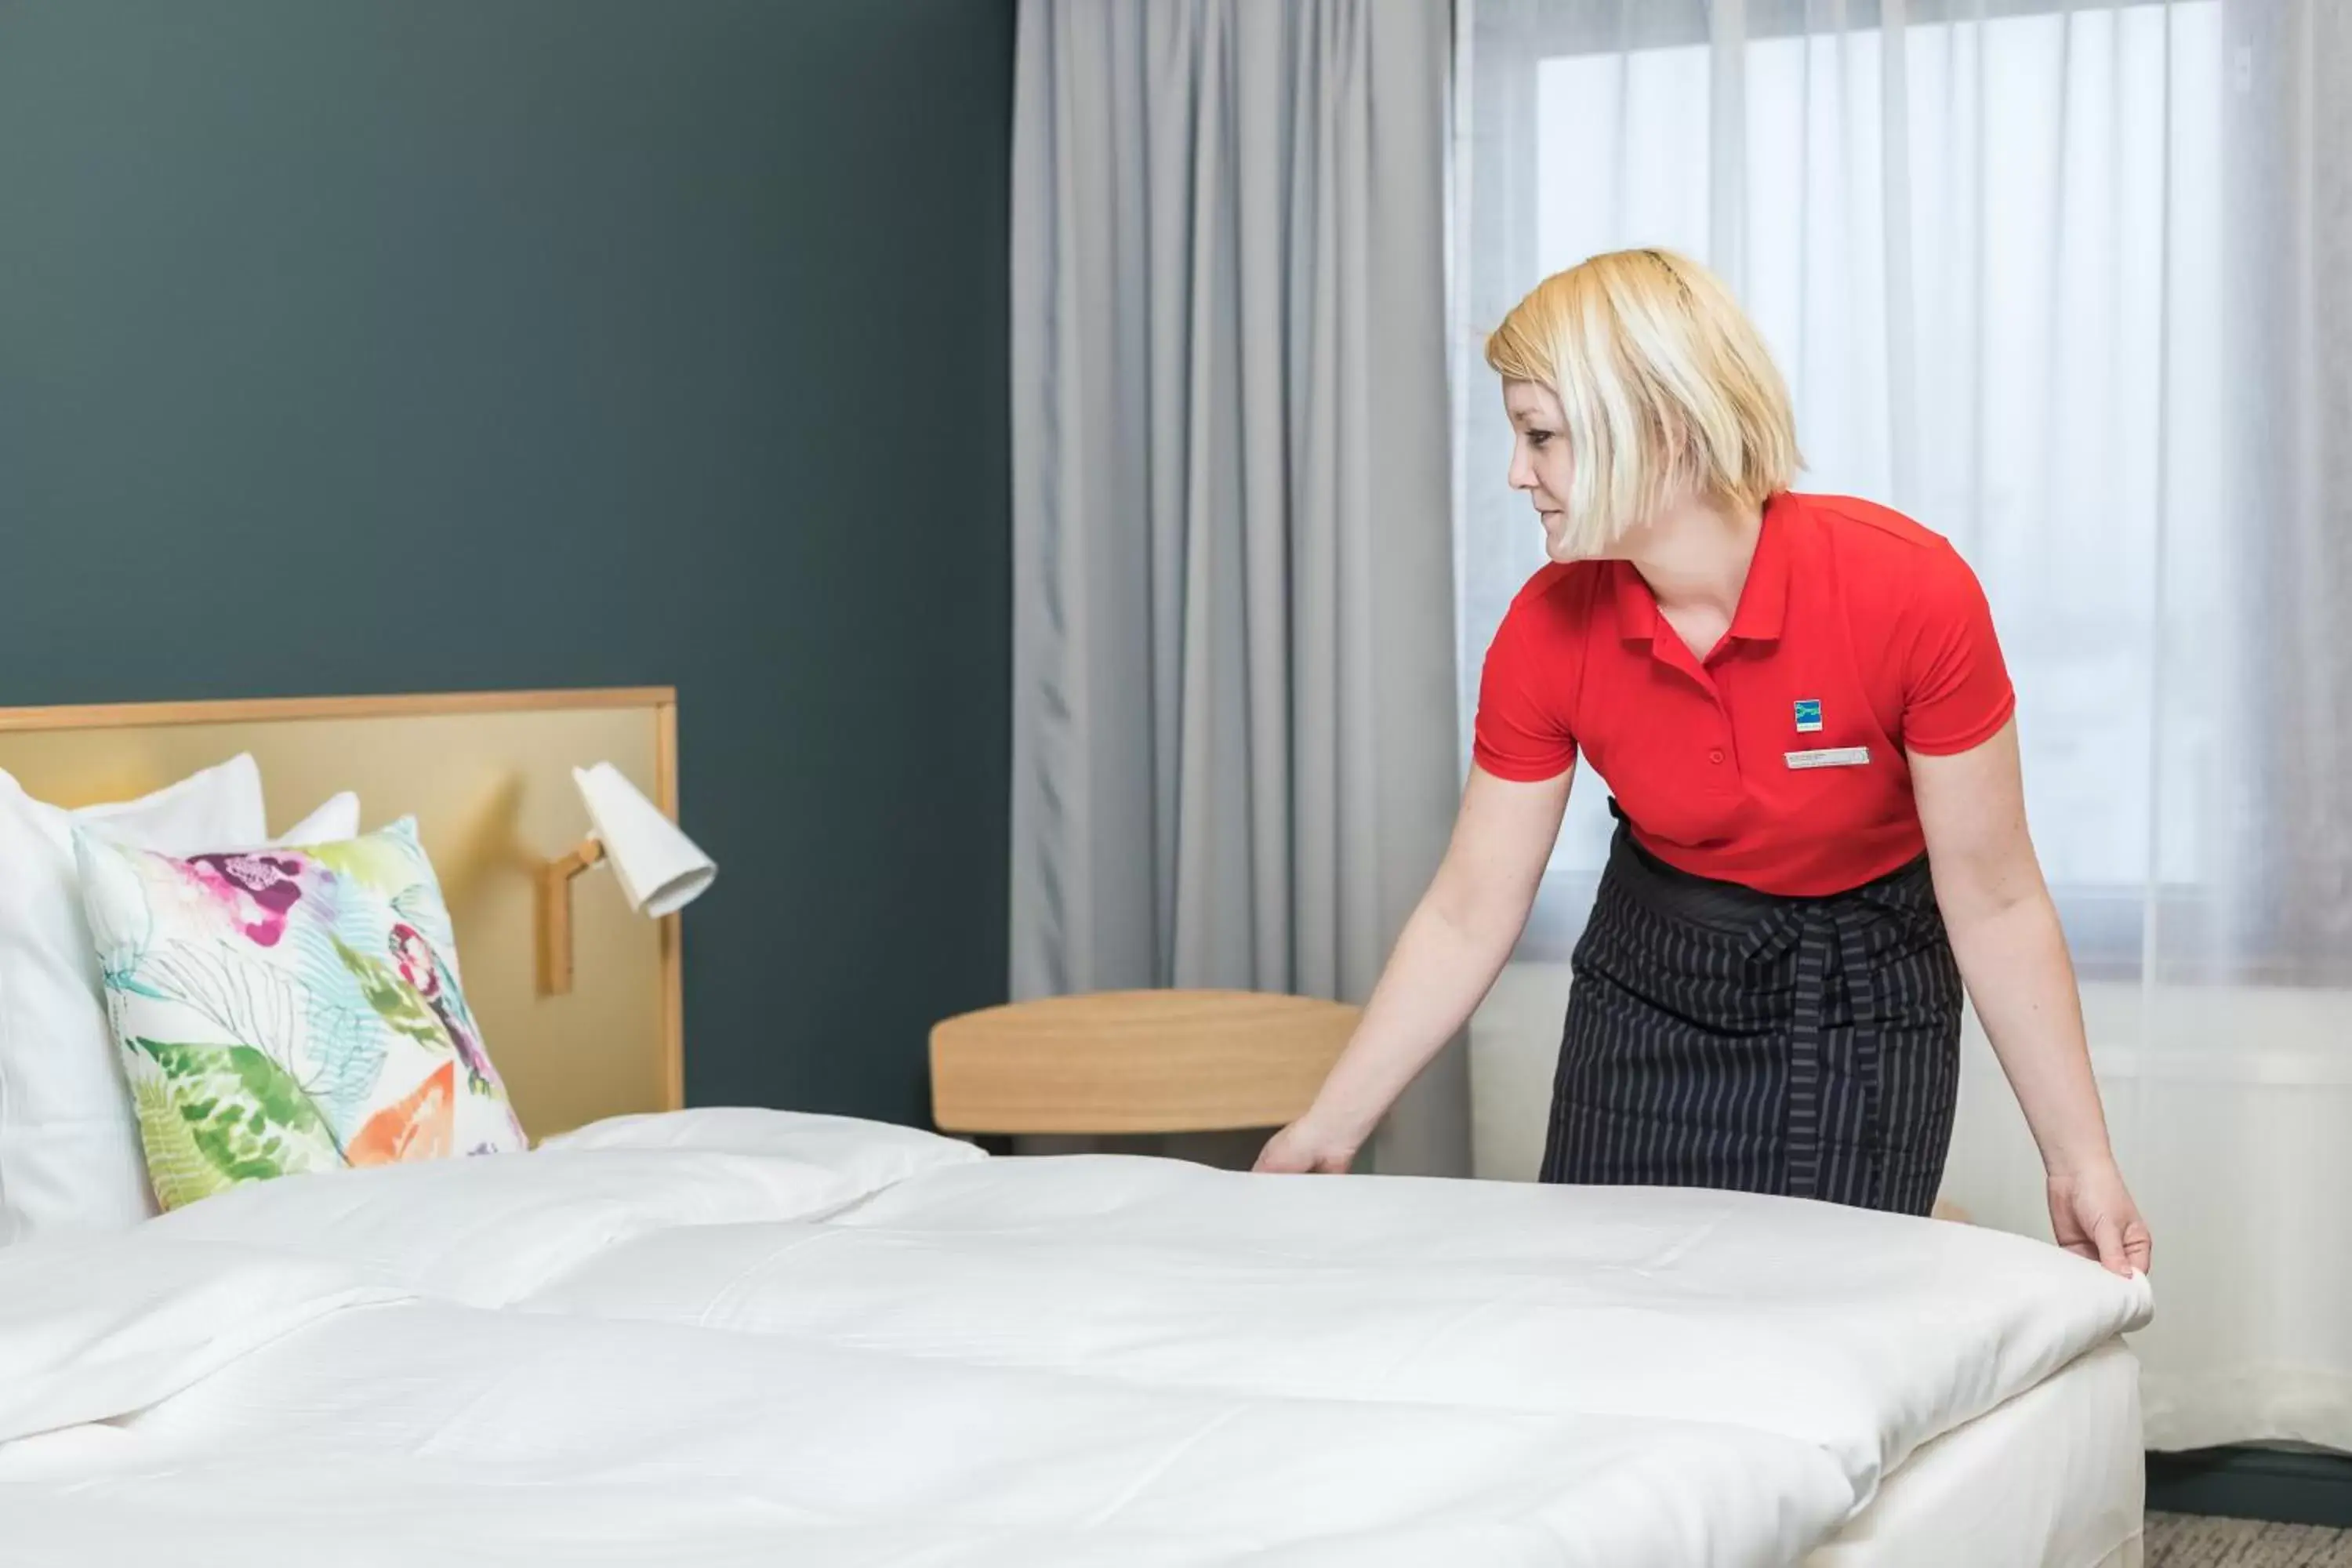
(739,1337)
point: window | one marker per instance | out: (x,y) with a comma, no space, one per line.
(1993,280)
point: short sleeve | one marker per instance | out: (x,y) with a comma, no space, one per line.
(1517,735)
(1956,689)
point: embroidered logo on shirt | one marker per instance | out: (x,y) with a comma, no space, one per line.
(1809,715)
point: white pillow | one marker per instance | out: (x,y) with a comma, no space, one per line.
(337,818)
(69,1157)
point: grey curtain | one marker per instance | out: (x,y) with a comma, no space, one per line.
(1234,739)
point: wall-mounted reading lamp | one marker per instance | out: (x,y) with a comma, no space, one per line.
(659,868)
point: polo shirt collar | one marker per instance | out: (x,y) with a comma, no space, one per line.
(1763,598)
(1637,609)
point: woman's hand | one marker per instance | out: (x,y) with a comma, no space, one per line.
(2093,1215)
(1307,1147)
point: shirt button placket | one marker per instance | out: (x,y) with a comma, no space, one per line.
(1722,777)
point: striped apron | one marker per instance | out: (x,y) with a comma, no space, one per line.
(1718,1036)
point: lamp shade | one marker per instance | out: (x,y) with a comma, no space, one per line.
(660,869)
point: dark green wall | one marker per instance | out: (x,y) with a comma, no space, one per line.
(382,345)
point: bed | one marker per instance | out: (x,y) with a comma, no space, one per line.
(734,1336)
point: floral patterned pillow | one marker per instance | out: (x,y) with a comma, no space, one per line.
(288,1010)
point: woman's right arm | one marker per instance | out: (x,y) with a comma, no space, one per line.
(1445,958)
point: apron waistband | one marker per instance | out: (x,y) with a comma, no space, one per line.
(1734,907)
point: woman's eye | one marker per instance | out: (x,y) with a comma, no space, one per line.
(1538,438)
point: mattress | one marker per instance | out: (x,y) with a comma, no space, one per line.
(2053,1478)
(723,1338)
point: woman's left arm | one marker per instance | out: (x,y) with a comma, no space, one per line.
(2012,957)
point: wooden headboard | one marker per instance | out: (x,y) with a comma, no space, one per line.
(488,776)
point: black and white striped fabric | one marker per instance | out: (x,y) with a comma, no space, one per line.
(1718,1036)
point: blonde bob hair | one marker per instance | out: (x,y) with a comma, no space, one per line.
(1666,386)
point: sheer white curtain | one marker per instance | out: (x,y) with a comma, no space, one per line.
(2071,284)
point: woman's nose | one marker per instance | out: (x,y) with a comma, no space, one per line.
(1523,473)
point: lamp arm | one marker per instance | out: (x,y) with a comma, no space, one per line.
(555,914)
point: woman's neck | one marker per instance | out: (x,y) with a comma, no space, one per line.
(1694,556)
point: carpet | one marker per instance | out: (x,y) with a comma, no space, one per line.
(2193,1541)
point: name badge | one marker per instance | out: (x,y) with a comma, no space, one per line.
(1833,757)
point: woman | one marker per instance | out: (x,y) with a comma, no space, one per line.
(1801,712)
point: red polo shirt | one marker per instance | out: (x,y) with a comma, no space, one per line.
(1777,760)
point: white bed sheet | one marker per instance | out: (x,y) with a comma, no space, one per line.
(724,1338)
(2052,1478)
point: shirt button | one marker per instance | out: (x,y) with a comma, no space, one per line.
(1715,756)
